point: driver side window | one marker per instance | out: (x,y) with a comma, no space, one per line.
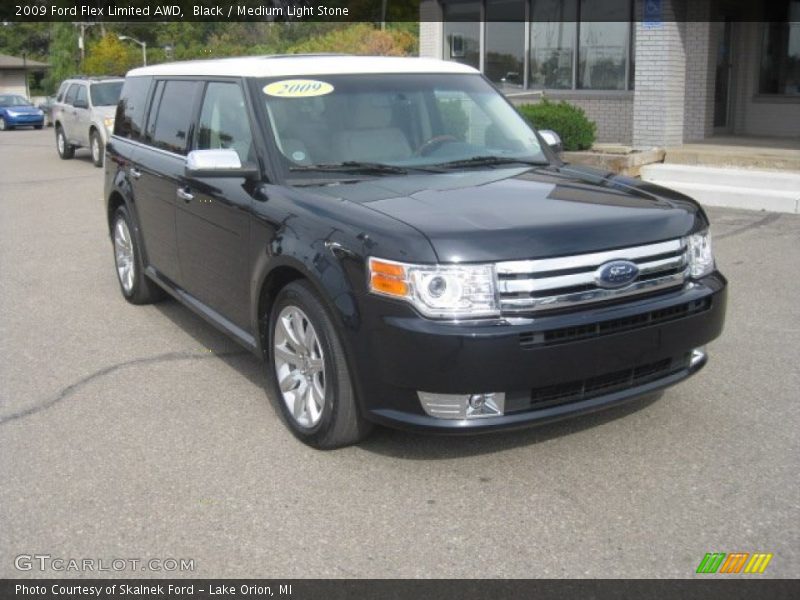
(224,122)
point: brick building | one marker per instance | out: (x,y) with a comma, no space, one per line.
(648,72)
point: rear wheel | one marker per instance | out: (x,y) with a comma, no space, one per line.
(308,376)
(65,150)
(96,145)
(38,126)
(136,287)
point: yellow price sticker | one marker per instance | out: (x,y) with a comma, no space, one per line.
(298,88)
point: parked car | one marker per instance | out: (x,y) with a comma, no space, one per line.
(400,246)
(17,111)
(47,108)
(83,115)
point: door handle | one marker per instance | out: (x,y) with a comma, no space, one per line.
(184,195)
(135,173)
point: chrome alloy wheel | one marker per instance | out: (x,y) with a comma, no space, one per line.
(123,254)
(299,366)
(60,143)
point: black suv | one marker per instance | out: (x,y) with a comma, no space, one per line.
(401,246)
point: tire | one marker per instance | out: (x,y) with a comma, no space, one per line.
(338,422)
(65,150)
(5,126)
(38,126)
(135,286)
(96,147)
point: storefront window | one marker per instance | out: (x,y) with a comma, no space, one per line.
(552,43)
(574,44)
(505,42)
(780,55)
(603,44)
(462,33)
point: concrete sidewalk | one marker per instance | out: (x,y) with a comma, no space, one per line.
(753,189)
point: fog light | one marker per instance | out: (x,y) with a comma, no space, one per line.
(463,406)
(698,356)
(485,405)
(476,401)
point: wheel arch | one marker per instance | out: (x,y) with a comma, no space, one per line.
(273,282)
(115,200)
(283,270)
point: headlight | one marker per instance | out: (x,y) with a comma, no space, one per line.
(701,258)
(12,113)
(109,123)
(438,291)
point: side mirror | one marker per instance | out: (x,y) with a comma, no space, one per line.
(80,104)
(223,162)
(552,139)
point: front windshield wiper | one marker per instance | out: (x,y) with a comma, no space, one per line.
(353,166)
(491,160)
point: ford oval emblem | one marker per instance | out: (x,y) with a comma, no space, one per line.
(616,273)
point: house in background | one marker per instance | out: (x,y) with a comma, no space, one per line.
(649,73)
(14,71)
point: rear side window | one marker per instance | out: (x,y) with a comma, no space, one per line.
(171,116)
(129,121)
(62,91)
(69,98)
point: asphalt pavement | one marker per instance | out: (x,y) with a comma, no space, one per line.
(142,433)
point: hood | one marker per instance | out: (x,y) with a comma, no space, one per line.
(509,214)
(105,111)
(23,110)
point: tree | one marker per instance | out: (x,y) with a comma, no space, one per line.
(109,56)
(31,39)
(63,55)
(361,38)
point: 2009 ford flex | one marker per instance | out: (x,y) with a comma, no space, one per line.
(400,246)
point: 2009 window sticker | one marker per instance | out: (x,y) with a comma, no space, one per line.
(297,88)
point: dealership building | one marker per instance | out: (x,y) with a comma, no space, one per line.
(648,72)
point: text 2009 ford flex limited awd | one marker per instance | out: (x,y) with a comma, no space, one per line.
(400,246)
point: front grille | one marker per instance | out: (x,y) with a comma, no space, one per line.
(584,389)
(552,337)
(569,281)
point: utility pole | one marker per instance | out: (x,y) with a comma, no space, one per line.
(25,72)
(82,39)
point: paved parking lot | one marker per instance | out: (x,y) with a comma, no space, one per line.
(141,432)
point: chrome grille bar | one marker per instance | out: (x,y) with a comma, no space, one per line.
(553,283)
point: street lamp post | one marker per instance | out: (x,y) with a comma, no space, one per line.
(142,44)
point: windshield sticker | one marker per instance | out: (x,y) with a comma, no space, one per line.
(297,88)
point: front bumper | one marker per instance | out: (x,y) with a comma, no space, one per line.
(24,120)
(549,367)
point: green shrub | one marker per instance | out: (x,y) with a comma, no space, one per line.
(577,132)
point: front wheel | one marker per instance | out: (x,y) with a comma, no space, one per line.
(4,126)
(308,376)
(65,150)
(136,287)
(96,145)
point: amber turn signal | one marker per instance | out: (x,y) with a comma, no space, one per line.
(387,278)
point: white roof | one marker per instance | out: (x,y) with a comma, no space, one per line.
(302,65)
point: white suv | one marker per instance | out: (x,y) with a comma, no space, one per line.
(83,115)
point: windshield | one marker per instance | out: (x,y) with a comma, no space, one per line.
(402,120)
(106,94)
(13,100)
